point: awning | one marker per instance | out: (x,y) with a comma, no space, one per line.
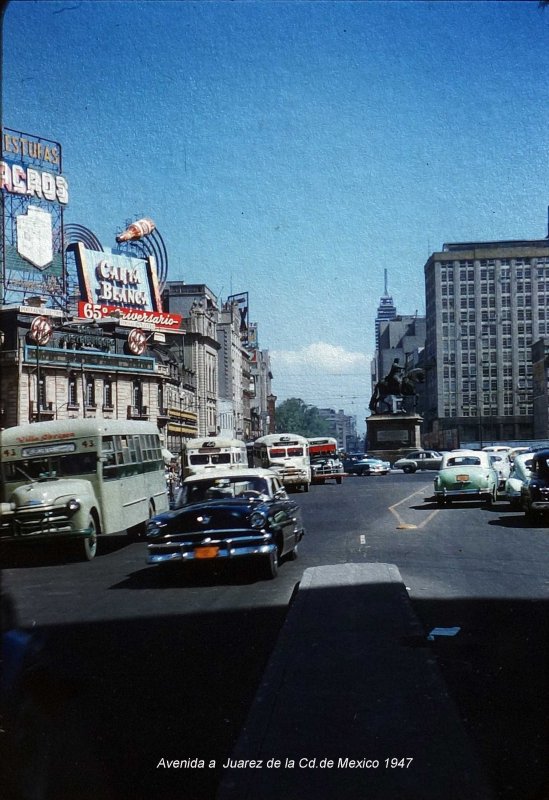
(167,456)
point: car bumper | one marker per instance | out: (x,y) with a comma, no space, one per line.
(540,505)
(213,549)
(463,492)
(25,527)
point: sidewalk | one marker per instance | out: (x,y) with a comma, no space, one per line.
(352,705)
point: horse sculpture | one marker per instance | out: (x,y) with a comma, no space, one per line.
(393,385)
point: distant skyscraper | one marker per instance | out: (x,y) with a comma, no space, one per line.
(386,310)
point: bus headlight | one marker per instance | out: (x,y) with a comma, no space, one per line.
(73,505)
(258,519)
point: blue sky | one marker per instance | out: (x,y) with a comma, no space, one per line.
(294,150)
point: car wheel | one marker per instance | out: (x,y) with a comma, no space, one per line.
(408,469)
(293,554)
(338,480)
(90,542)
(271,565)
(306,487)
(489,500)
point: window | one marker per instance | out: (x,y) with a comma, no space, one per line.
(42,393)
(137,395)
(90,392)
(72,393)
(107,393)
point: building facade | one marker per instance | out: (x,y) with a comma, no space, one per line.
(342,427)
(540,388)
(486,304)
(234,374)
(77,368)
(198,305)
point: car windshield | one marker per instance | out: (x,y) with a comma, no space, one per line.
(542,466)
(463,461)
(244,487)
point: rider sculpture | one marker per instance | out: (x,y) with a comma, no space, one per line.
(397,383)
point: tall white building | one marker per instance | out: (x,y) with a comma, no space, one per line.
(486,304)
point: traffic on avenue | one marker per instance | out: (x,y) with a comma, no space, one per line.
(144,676)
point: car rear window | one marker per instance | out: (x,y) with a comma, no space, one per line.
(463,461)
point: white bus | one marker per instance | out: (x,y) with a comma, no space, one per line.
(77,479)
(287,454)
(212,453)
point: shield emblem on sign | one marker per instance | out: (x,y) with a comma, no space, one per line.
(35,237)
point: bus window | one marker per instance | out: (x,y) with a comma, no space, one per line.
(110,469)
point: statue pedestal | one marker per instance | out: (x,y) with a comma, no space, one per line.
(391,436)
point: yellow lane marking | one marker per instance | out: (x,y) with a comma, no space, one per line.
(402,525)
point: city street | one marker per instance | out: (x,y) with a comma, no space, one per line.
(154,665)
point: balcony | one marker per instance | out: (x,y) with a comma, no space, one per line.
(162,417)
(44,412)
(138,412)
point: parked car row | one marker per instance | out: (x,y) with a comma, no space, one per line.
(520,476)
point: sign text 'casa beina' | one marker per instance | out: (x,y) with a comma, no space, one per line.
(117,285)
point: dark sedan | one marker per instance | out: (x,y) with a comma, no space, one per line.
(535,491)
(229,514)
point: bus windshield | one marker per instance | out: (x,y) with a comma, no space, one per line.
(62,466)
(210,458)
(283,452)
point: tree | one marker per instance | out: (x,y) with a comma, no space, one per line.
(295,416)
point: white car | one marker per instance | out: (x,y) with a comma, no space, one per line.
(502,465)
(497,448)
(419,459)
(520,475)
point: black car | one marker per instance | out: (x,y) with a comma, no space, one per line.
(229,514)
(535,492)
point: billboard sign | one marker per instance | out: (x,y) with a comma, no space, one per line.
(113,284)
(34,195)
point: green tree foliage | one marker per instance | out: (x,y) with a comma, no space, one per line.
(295,416)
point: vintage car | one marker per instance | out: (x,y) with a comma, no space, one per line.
(419,459)
(466,475)
(234,514)
(520,475)
(377,466)
(502,465)
(365,465)
(535,491)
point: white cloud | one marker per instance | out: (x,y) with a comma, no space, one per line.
(324,375)
(322,357)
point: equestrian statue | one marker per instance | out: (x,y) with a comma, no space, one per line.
(397,383)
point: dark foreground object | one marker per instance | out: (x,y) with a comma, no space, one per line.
(352,703)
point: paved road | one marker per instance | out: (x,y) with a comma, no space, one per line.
(155,666)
